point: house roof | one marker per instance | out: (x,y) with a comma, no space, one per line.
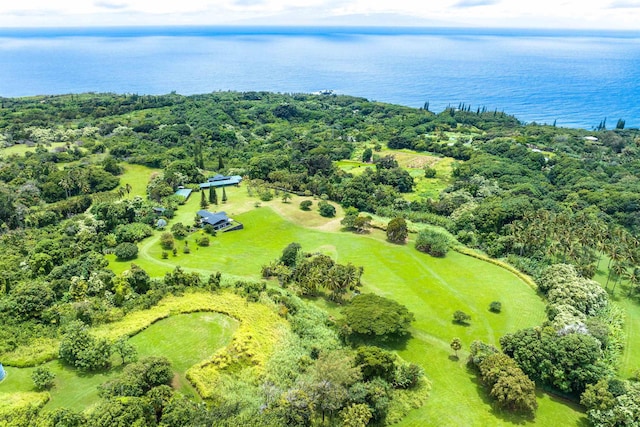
(221,181)
(213,218)
(184,192)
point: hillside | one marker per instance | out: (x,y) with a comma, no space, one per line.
(97,243)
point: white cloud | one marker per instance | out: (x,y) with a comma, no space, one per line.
(615,14)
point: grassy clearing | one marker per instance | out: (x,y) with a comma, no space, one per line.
(432,288)
(137,176)
(22,149)
(202,334)
(415,163)
(630,361)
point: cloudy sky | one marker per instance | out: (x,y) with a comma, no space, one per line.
(599,14)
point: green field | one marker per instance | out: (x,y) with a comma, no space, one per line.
(414,163)
(21,149)
(630,361)
(137,176)
(184,339)
(432,288)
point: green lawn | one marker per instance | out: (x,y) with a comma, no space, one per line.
(630,361)
(432,288)
(21,149)
(184,339)
(137,176)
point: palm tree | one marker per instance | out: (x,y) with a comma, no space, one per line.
(619,270)
(633,277)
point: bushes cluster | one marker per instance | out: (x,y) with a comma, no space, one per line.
(126,251)
(435,243)
(81,350)
(326,209)
(373,316)
(508,385)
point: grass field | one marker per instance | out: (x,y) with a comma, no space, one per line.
(414,163)
(200,336)
(432,288)
(21,149)
(630,361)
(137,176)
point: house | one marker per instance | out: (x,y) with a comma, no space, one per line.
(221,181)
(218,220)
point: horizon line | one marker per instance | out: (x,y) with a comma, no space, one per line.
(252,29)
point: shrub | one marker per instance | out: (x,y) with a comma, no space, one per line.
(290,254)
(139,377)
(326,209)
(397,230)
(81,350)
(305,205)
(203,241)
(125,251)
(179,230)
(495,307)
(186,249)
(133,232)
(429,172)
(265,195)
(208,228)
(508,384)
(461,317)
(43,378)
(166,241)
(375,362)
(375,316)
(433,242)
(407,375)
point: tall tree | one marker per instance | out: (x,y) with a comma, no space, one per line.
(456,345)
(203,201)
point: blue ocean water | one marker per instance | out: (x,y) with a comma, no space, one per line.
(575,78)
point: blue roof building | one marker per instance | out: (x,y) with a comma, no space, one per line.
(221,181)
(184,192)
(218,220)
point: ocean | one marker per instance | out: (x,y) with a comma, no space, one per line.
(576,79)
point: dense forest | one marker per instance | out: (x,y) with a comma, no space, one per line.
(558,204)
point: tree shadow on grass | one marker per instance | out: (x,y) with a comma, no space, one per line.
(458,323)
(566,401)
(454,358)
(394,343)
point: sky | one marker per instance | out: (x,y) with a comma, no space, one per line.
(546,14)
